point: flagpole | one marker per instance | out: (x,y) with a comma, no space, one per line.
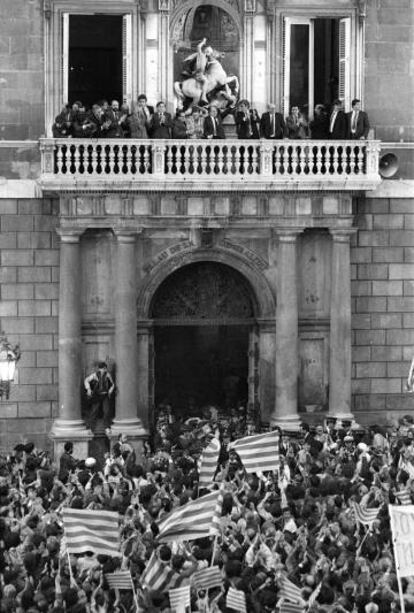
(394,540)
(363,540)
(72,579)
(213,555)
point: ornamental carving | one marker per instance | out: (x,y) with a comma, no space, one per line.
(203,290)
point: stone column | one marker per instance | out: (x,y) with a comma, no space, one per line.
(285,414)
(126,347)
(144,331)
(267,338)
(340,326)
(69,425)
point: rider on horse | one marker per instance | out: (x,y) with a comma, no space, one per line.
(202,59)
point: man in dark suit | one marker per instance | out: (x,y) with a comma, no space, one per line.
(247,121)
(161,122)
(272,124)
(213,127)
(145,108)
(337,122)
(357,122)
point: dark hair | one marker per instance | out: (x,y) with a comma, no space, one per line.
(142,97)
(102,365)
(68,446)
(355,101)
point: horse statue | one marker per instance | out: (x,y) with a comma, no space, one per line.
(214,77)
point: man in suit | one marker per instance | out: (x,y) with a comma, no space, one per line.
(247,121)
(272,124)
(337,122)
(213,127)
(357,122)
(161,122)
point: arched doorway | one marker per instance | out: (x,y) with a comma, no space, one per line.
(205,349)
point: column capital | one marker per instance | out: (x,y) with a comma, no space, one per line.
(287,235)
(69,235)
(126,235)
(342,235)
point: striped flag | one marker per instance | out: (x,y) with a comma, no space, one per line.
(290,591)
(259,452)
(120,580)
(180,598)
(363,515)
(403,497)
(87,530)
(158,575)
(291,607)
(207,578)
(208,463)
(196,519)
(236,599)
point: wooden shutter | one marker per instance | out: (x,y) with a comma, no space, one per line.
(286,65)
(344,79)
(127,58)
(65,58)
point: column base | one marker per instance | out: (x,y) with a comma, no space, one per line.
(287,424)
(73,430)
(341,416)
(135,432)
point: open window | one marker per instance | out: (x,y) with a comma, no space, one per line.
(96,57)
(316,62)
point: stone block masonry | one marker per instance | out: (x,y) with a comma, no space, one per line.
(29,291)
(383,308)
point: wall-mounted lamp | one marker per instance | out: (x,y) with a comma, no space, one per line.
(9,356)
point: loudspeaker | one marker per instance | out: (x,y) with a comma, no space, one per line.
(388,165)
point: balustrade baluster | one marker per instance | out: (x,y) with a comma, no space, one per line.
(94,159)
(335,160)
(59,159)
(203,160)
(170,159)
(294,159)
(109,159)
(278,159)
(75,158)
(128,159)
(237,160)
(303,159)
(219,160)
(255,160)
(186,159)
(146,158)
(319,158)
(359,159)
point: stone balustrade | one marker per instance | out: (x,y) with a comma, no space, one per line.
(303,164)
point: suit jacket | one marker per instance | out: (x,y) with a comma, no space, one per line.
(247,124)
(340,129)
(209,128)
(362,125)
(266,125)
(158,129)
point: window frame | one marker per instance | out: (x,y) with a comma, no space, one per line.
(56,45)
(356,59)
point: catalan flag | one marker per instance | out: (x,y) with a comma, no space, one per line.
(291,607)
(88,530)
(259,452)
(403,496)
(236,599)
(180,598)
(207,578)
(363,515)
(313,597)
(208,463)
(290,591)
(196,519)
(158,575)
(120,580)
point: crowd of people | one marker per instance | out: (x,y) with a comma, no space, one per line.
(142,121)
(296,522)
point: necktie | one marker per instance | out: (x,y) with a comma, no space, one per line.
(273,123)
(354,121)
(214,127)
(333,117)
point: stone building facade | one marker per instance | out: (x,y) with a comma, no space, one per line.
(277,279)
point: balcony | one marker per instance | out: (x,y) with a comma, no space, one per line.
(201,165)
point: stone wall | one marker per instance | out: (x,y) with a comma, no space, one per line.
(21,69)
(383,306)
(29,290)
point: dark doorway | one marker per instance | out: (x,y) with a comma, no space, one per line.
(200,365)
(95,58)
(203,318)
(326,61)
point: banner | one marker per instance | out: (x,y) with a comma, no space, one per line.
(402,527)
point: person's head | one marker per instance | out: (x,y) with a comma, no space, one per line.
(77,105)
(161,106)
(271,107)
(102,366)
(337,104)
(208,51)
(115,105)
(319,109)
(142,100)
(180,114)
(104,104)
(244,105)
(295,110)
(68,447)
(96,110)
(356,104)
(213,111)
